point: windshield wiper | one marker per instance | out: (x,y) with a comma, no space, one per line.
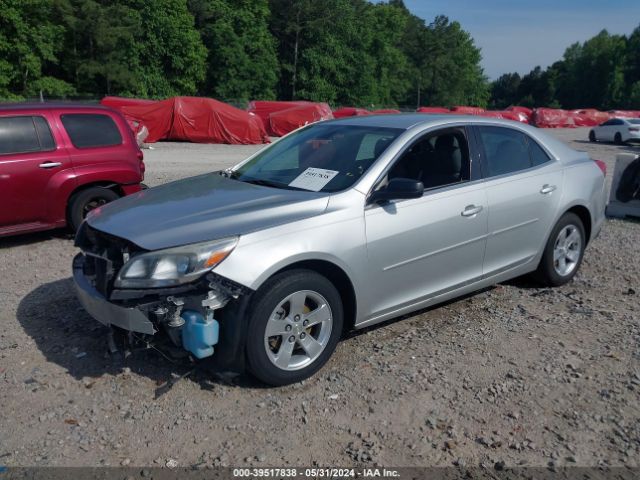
(265,183)
(269,183)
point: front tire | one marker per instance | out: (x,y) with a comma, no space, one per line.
(592,136)
(295,322)
(563,253)
(86,200)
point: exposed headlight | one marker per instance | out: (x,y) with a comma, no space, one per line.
(173,266)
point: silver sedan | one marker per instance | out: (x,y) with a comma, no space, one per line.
(337,226)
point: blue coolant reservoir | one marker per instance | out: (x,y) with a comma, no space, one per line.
(199,334)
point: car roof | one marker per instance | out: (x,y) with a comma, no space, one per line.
(406,121)
(8,106)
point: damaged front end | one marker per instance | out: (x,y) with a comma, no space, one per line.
(169,300)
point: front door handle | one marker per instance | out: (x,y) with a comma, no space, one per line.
(50,164)
(546,188)
(471,210)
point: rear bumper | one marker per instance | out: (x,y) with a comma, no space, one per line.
(104,311)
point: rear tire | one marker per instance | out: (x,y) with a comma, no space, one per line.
(563,253)
(86,200)
(617,139)
(303,312)
(592,136)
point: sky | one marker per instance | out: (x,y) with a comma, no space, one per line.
(518,35)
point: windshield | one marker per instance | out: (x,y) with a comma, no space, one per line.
(634,121)
(319,158)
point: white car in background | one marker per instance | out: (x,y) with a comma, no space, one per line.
(618,130)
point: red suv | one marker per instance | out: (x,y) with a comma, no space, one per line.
(58,162)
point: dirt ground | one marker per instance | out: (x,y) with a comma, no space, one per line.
(513,375)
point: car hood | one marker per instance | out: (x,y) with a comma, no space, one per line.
(202,208)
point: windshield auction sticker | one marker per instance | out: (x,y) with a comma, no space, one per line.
(313,179)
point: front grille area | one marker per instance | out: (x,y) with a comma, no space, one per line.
(103,256)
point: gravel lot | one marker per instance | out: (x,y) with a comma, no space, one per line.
(513,374)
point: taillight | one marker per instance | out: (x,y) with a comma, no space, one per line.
(602,166)
(143,167)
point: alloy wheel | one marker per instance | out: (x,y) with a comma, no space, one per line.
(567,250)
(298,330)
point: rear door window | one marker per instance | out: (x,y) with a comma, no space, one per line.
(505,150)
(88,130)
(25,134)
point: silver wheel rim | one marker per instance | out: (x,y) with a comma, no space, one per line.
(566,250)
(298,330)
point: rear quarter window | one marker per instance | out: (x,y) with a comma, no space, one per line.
(538,155)
(24,134)
(88,130)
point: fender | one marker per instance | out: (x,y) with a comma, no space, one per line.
(62,186)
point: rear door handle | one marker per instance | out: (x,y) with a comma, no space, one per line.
(50,164)
(546,188)
(471,210)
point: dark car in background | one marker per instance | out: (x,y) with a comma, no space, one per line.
(60,161)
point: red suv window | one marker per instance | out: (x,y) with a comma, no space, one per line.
(89,130)
(25,134)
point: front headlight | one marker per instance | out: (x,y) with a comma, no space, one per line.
(173,266)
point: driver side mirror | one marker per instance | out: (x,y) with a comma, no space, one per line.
(398,188)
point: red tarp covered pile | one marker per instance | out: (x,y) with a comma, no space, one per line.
(552,118)
(508,114)
(467,110)
(140,130)
(505,114)
(195,119)
(384,111)
(625,113)
(589,117)
(350,112)
(117,102)
(527,112)
(557,118)
(285,121)
(433,110)
(303,112)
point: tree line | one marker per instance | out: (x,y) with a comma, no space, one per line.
(345,52)
(601,73)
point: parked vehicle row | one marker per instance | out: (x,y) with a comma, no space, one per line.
(58,162)
(339,225)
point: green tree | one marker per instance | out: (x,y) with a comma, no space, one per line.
(171,52)
(449,64)
(102,52)
(632,70)
(29,41)
(309,46)
(592,73)
(389,79)
(537,89)
(241,62)
(504,91)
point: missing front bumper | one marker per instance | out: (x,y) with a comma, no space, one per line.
(102,310)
